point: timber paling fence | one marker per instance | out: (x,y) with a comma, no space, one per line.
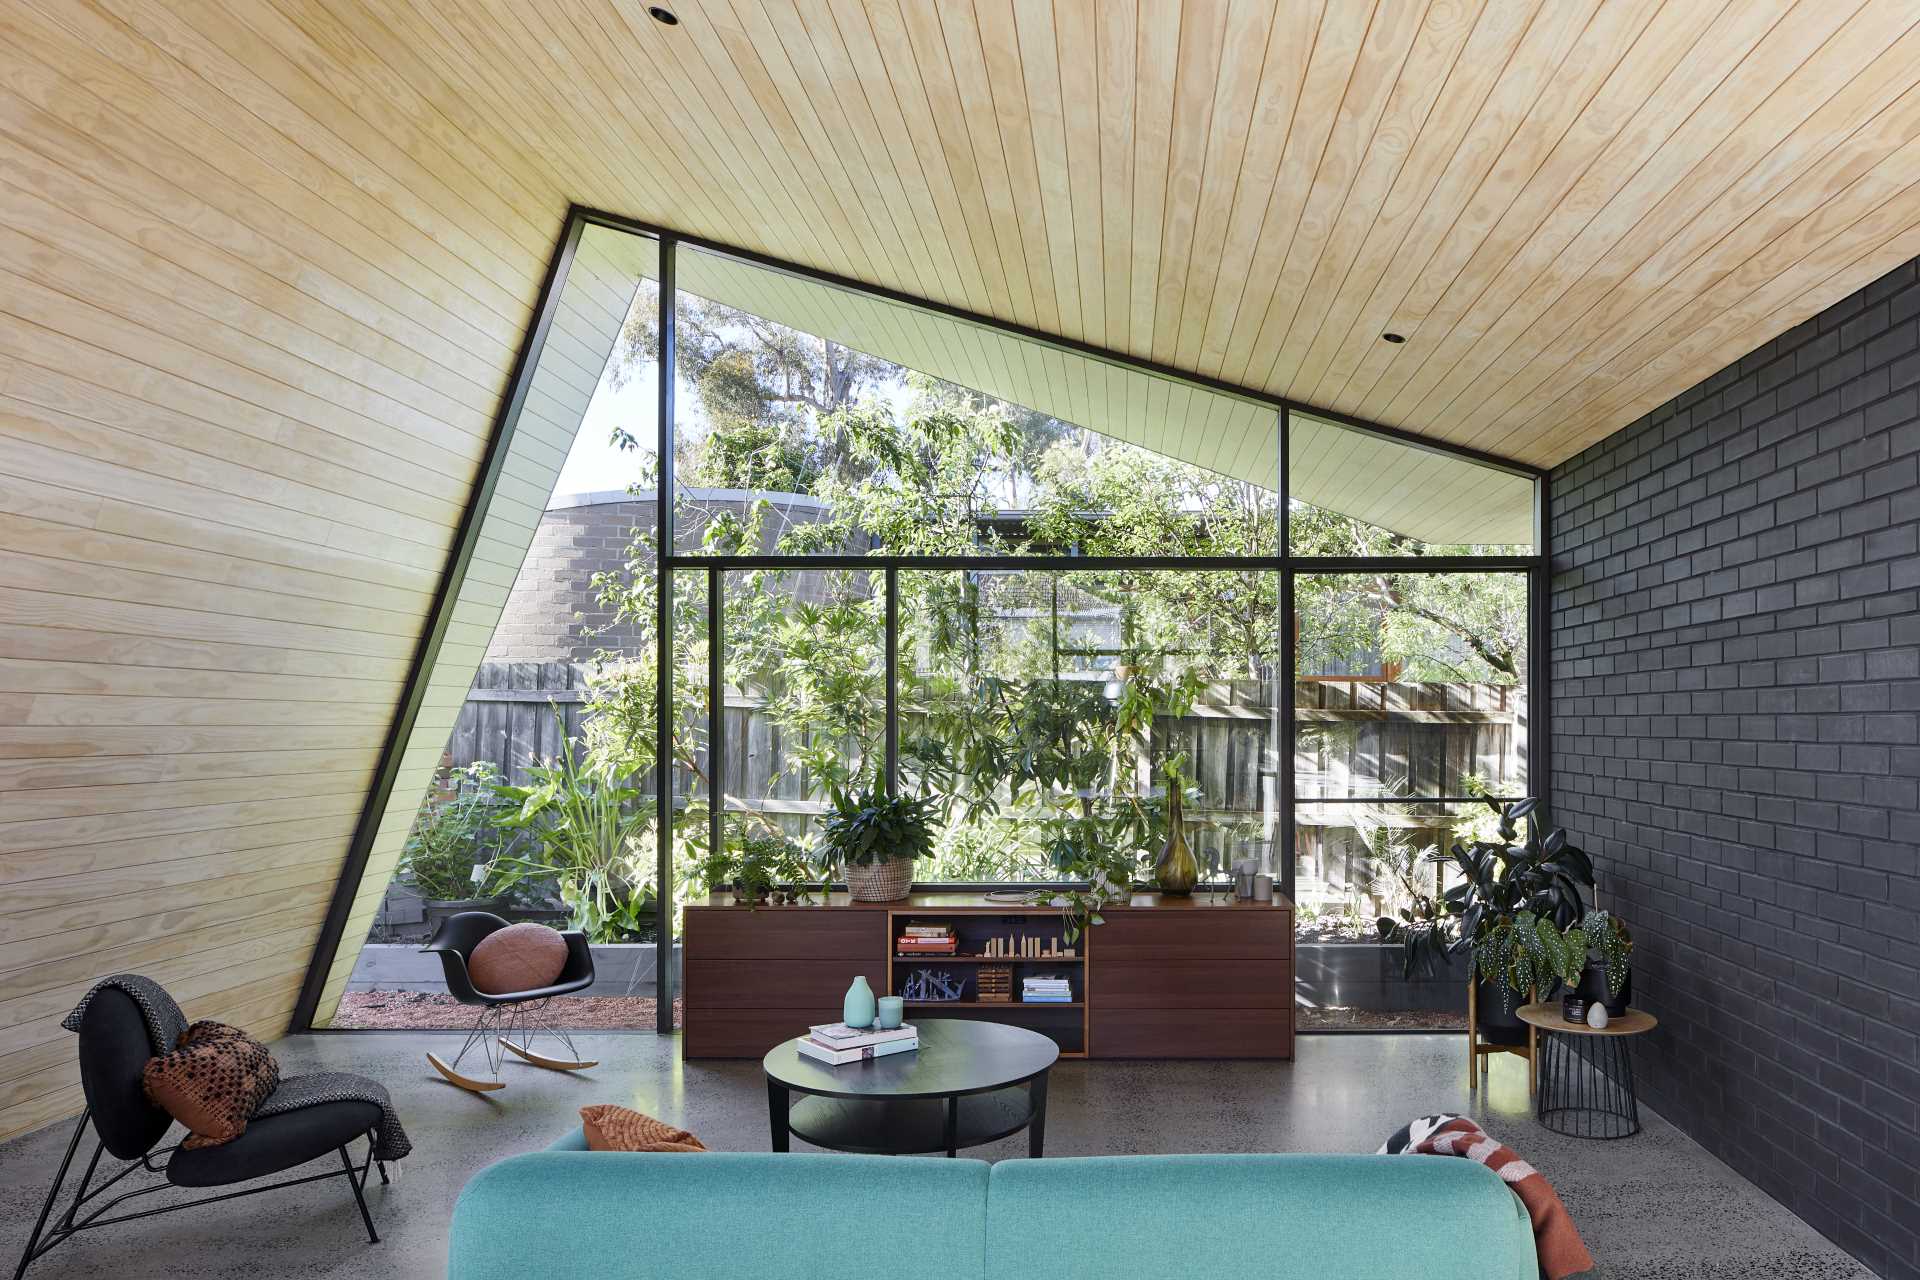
(1356,737)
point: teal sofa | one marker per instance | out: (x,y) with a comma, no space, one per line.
(618,1216)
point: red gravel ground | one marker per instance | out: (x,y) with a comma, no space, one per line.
(437,1011)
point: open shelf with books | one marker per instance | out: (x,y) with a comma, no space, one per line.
(1014,965)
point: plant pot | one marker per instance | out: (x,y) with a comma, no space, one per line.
(1497,1021)
(438,909)
(880,881)
(1593,988)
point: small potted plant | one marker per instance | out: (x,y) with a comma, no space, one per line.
(752,865)
(1605,976)
(874,838)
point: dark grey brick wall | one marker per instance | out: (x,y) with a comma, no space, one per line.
(1735,666)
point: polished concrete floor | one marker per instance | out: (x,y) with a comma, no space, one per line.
(1651,1207)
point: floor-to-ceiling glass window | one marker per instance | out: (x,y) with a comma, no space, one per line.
(1411,677)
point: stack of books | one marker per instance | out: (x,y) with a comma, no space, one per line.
(1039,990)
(927,940)
(837,1044)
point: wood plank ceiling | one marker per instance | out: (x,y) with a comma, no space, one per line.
(264,265)
(1571,210)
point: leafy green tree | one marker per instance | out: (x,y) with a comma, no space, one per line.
(1032,718)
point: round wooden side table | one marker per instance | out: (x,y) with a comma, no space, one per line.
(1586,1076)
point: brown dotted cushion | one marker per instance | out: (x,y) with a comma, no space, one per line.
(212,1082)
(520,957)
(611,1128)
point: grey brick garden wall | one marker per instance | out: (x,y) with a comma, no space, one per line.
(552,614)
(1736,674)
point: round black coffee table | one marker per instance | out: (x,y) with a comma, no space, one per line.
(967,1084)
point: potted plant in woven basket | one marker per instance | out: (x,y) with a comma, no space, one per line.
(875,837)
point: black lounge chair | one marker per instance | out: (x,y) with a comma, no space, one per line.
(116,1042)
(502,1013)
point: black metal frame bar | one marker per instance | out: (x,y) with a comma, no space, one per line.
(666,553)
(43,1240)
(670,558)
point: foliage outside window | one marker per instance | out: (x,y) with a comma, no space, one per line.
(453,833)
(1038,708)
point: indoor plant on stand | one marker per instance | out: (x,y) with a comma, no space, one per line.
(1510,913)
(875,837)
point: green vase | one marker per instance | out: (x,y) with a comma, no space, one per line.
(1177,870)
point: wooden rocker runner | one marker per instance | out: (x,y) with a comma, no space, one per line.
(506,1015)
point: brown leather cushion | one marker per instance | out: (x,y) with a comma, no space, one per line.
(212,1082)
(611,1128)
(520,957)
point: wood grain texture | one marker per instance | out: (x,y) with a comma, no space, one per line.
(264,267)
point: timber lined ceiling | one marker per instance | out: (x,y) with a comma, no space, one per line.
(264,266)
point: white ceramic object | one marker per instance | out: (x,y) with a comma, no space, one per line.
(1597,1016)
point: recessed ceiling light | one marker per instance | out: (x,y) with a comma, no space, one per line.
(664,15)
(1393,337)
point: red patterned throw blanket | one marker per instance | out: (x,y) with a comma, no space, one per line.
(1555,1239)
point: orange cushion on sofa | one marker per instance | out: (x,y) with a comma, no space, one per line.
(612,1128)
(520,957)
(212,1082)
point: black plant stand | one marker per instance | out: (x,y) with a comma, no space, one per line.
(1586,1076)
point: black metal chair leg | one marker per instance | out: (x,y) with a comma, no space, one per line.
(53,1194)
(373,1237)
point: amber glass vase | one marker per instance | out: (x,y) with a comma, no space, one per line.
(1177,870)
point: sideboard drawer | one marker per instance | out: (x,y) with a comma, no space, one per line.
(1191,984)
(786,933)
(748,1033)
(774,984)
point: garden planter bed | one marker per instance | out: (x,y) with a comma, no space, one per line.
(620,969)
(1365,977)
(1338,1018)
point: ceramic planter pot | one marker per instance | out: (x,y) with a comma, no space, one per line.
(880,881)
(1498,1023)
(1593,990)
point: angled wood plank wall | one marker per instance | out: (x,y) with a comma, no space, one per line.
(251,347)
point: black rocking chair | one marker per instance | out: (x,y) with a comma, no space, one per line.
(502,1014)
(115,1045)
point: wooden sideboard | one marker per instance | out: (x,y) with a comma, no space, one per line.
(1162,978)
